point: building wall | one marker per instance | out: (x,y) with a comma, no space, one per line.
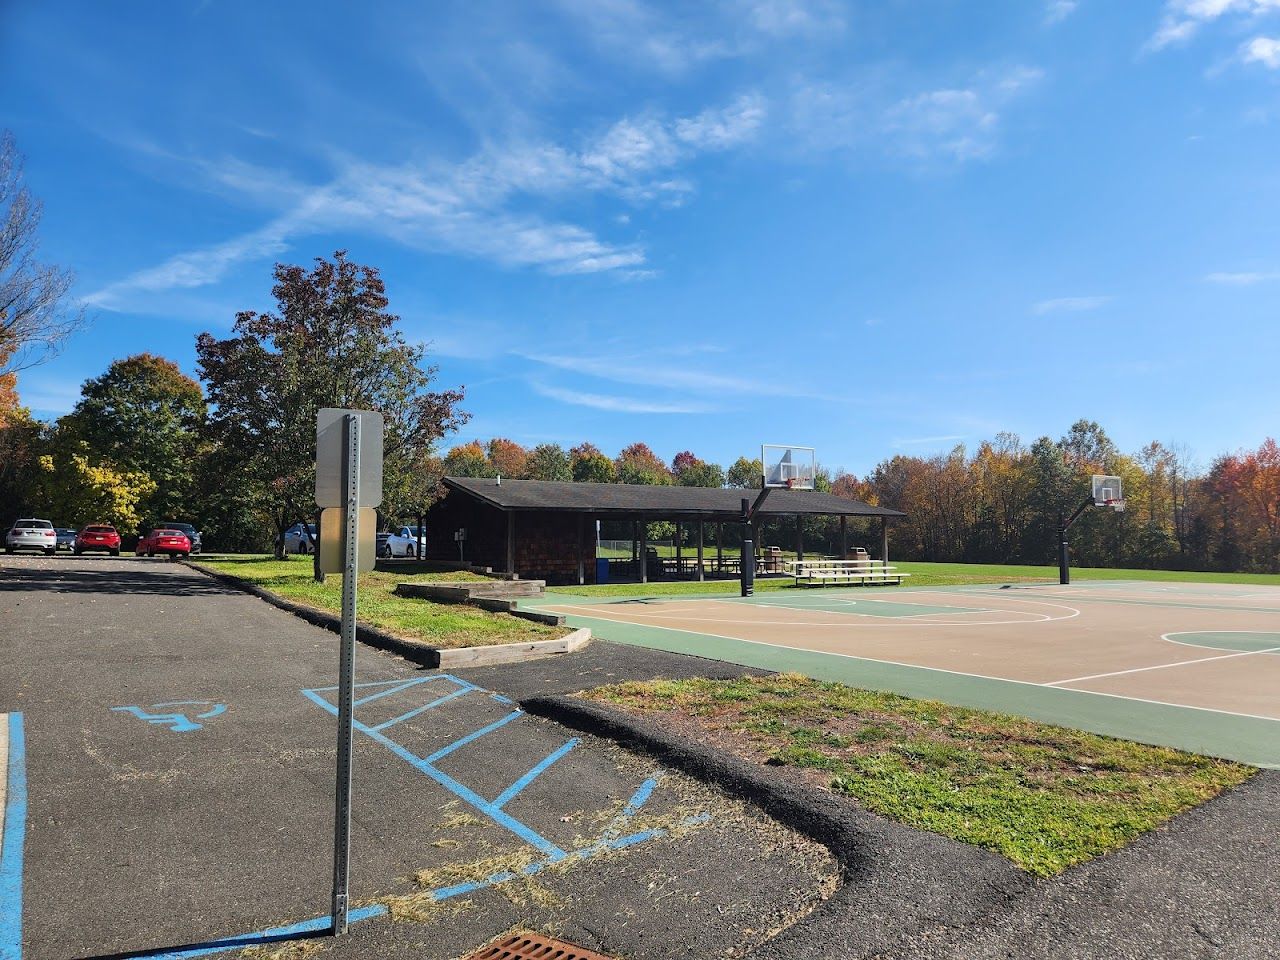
(546,543)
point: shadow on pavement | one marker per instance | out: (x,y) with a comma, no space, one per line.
(157,577)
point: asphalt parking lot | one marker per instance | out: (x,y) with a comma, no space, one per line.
(179,755)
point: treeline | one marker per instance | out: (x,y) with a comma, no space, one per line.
(234,451)
(999,504)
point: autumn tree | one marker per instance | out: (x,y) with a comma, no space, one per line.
(507,458)
(36,315)
(637,463)
(330,343)
(144,416)
(71,486)
(468,460)
(548,461)
(589,465)
(690,471)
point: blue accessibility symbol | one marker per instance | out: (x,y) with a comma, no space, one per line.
(177,722)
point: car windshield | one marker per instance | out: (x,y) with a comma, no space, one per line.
(184,527)
(33,525)
(170,533)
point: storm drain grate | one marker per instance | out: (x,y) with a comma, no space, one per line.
(534,946)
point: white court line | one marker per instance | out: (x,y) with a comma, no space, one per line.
(1191,633)
(1161,666)
(957,673)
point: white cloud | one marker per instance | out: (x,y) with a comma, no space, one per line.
(1058,10)
(1263,50)
(1183,18)
(1068,305)
(469,208)
(615,404)
(1244,279)
(952,123)
(779,18)
(664,375)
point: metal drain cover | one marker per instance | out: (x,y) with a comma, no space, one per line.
(534,946)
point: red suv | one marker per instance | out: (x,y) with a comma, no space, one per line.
(98,537)
(164,540)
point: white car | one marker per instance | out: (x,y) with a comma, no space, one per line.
(402,543)
(29,534)
(296,539)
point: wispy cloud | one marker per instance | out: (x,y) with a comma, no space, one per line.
(664,375)
(471,208)
(780,18)
(959,123)
(1182,19)
(1242,279)
(1263,50)
(1068,305)
(616,404)
(1056,11)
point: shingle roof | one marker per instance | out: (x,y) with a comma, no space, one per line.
(635,499)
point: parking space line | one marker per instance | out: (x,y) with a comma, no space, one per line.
(405,685)
(514,790)
(426,706)
(294,931)
(475,735)
(11,841)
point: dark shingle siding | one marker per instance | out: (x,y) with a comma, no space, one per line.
(633,499)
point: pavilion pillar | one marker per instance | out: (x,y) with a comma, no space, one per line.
(719,546)
(799,537)
(679,565)
(844,537)
(644,552)
(582,548)
(884,540)
(701,575)
(511,543)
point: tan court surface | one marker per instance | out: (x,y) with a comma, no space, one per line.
(1190,665)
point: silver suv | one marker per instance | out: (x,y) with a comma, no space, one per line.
(32,535)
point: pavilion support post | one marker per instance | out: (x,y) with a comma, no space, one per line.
(799,537)
(884,540)
(679,564)
(701,574)
(511,543)
(844,537)
(644,552)
(582,549)
(719,546)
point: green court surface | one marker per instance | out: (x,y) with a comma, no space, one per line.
(1190,666)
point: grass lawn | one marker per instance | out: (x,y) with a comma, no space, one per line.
(932,575)
(1045,797)
(437,624)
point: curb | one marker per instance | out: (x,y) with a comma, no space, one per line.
(861,843)
(413,651)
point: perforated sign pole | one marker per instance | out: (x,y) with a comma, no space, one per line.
(346,675)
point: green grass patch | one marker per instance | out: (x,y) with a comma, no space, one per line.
(925,574)
(448,626)
(1046,797)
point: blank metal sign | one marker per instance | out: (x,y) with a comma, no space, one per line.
(331,460)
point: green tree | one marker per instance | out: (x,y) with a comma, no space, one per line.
(73,490)
(468,460)
(143,416)
(331,342)
(589,465)
(639,464)
(548,461)
(745,474)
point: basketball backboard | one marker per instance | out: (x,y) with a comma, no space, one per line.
(1108,491)
(792,468)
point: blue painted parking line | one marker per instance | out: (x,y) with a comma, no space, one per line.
(15,828)
(611,838)
(395,686)
(294,931)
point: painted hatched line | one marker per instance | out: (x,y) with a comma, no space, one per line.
(12,838)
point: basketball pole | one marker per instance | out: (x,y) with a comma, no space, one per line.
(747,568)
(1064,549)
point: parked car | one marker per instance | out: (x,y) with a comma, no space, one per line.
(97,538)
(31,534)
(296,539)
(192,533)
(165,540)
(401,543)
(66,538)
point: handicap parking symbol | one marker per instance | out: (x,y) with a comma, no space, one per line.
(176,721)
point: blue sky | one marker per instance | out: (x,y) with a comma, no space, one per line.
(870,227)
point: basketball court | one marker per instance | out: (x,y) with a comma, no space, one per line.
(1193,666)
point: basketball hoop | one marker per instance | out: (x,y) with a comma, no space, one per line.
(1116,505)
(788,468)
(791,482)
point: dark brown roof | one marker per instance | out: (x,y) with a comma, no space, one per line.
(637,499)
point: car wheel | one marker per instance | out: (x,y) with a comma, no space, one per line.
(50,553)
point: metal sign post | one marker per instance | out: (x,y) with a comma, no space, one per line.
(357,443)
(346,677)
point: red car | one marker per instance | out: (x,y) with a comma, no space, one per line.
(164,540)
(97,537)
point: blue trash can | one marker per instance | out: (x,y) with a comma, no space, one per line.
(602,569)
